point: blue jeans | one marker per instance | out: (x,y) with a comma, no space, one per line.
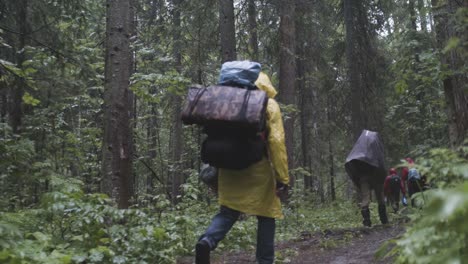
(225,219)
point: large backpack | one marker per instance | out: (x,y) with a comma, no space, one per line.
(395,183)
(413,175)
(233,116)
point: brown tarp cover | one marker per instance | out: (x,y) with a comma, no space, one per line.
(224,105)
(369,149)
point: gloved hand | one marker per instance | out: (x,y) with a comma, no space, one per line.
(404,201)
(209,176)
(282,191)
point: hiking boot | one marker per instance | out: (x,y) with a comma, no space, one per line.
(366,216)
(202,252)
(383,214)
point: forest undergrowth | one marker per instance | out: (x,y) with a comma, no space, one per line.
(71,226)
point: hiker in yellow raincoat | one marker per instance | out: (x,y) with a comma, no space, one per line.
(254,190)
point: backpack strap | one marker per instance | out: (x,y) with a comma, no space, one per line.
(243,111)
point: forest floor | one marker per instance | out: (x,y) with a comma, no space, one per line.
(341,246)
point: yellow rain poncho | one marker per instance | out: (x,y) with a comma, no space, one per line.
(252,190)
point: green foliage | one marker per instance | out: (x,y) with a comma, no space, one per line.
(243,235)
(50,173)
(284,256)
(70,226)
(172,82)
(30,100)
(451,44)
(415,117)
(438,232)
(304,214)
(16,159)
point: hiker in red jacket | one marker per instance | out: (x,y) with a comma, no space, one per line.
(392,187)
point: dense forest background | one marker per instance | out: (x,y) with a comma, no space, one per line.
(96,167)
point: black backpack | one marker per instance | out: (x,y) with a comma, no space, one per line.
(232,148)
(395,182)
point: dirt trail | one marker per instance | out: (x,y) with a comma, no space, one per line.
(344,246)
(353,246)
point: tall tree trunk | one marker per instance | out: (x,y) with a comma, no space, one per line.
(3,103)
(330,152)
(227,30)
(116,149)
(306,100)
(287,76)
(177,176)
(151,135)
(361,70)
(16,111)
(132,102)
(352,69)
(305,121)
(152,142)
(253,39)
(456,84)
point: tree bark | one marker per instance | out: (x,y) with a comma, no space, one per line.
(361,70)
(456,84)
(253,40)
(152,142)
(305,121)
(352,69)
(306,100)
(177,144)
(117,149)
(3,104)
(287,76)
(227,30)
(132,102)
(16,110)
(330,152)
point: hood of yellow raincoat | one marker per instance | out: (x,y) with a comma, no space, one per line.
(263,83)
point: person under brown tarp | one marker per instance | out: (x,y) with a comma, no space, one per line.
(366,168)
